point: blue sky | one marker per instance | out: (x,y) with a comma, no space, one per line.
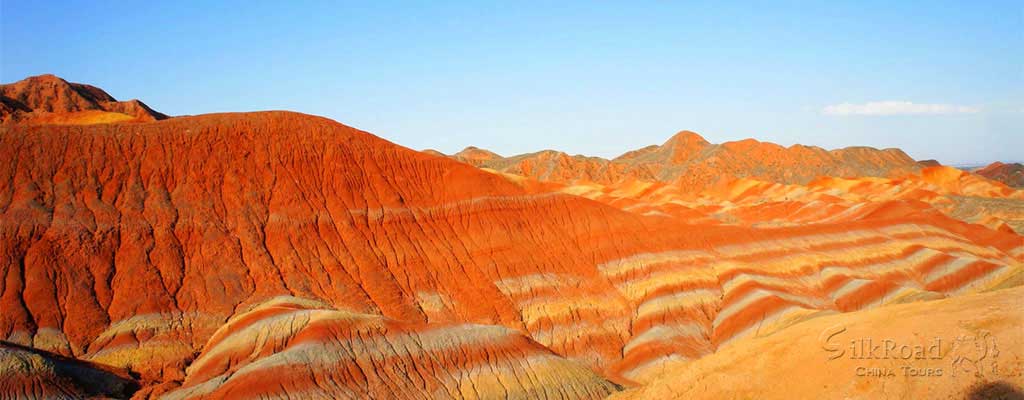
(940,80)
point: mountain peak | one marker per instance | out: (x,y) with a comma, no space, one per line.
(684,145)
(688,138)
(476,152)
(44,78)
(475,156)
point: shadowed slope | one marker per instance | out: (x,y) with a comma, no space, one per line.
(31,373)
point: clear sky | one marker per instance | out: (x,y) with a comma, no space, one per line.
(940,80)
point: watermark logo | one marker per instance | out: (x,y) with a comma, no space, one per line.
(975,353)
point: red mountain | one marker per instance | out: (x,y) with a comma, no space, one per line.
(278,254)
(693,163)
(1011,174)
(49,99)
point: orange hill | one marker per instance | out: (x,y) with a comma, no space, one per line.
(49,99)
(746,201)
(1011,174)
(475,156)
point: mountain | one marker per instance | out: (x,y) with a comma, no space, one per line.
(49,99)
(1011,174)
(690,161)
(475,156)
(751,202)
(276,204)
(749,182)
(278,254)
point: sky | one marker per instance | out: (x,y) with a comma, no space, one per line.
(940,80)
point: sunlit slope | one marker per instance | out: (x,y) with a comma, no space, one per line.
(972,347)
(932,191)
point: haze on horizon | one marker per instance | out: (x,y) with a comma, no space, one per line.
(942,80)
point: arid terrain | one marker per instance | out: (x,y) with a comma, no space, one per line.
(284,255)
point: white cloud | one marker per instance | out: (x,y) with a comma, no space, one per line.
(892,107)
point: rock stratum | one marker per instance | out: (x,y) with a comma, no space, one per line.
(763,184)
(277,254)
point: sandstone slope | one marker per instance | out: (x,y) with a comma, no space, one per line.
(751,202)
(974,351)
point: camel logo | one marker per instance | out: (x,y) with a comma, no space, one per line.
(975,354)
